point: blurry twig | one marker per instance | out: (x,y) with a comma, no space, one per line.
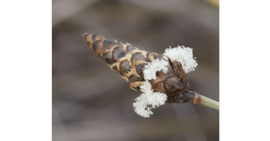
(214,2)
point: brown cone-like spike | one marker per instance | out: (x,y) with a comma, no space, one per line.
(129,62)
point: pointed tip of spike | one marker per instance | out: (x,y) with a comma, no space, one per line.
(84,35)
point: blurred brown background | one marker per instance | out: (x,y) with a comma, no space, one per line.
(92,103)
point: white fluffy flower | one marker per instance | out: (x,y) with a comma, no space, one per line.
(152,67)
(148,100)
(183,55)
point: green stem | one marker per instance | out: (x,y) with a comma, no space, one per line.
(205,101)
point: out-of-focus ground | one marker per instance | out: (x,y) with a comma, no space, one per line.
(92,103)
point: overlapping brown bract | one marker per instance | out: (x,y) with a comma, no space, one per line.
(129,62)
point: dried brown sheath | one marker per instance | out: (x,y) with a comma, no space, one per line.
(129,62)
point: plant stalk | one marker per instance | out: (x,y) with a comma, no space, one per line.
(205,101)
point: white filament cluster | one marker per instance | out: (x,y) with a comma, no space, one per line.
(183,55)
(154,66)
(149,99)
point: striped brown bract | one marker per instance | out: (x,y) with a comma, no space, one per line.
(129,62)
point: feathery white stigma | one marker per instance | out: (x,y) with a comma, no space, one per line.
(183,55)
(152,67)
(148,100)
